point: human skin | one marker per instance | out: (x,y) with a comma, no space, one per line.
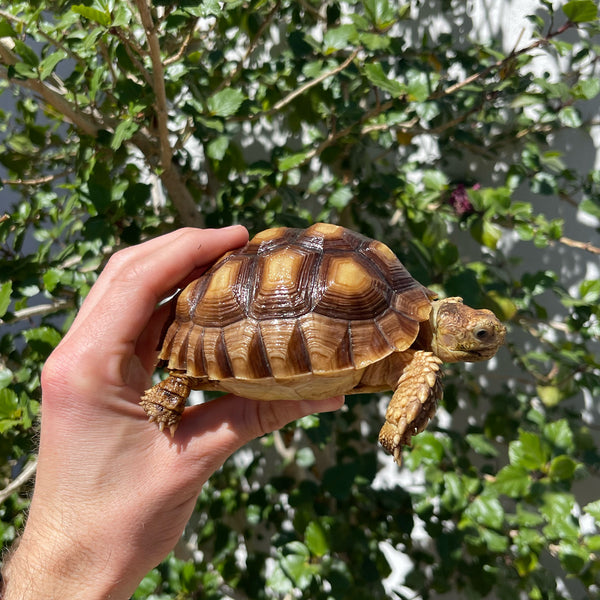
(112,493)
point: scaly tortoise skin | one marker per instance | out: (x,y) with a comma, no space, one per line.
(315,313)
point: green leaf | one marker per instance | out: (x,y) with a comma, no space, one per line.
(6,377)
(593,508)
(581,11)
(377,76)
(49,63)
(123,132)
(9,404)
(26,53)
(338,38)
(513,481)
(5,292)
(569,117)
(297,566)
(559,434)
(481,444)
(453,497)
(217,148)
(487,511)
(586,89)
(6,29)
(10,411)
(42,340)
(590,206)
(550,395)
(93,14)
(225,102)
(419,85)
(486,233)
(340,198)
(316,539)
(292,161)
(562,467)
(528,452)
(52,278)
(380,12)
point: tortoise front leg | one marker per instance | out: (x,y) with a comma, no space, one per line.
(164,402)
(413,404)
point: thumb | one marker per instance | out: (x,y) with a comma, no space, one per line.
(214,430)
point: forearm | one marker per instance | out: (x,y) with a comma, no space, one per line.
(55,567)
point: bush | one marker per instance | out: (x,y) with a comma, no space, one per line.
(125,122)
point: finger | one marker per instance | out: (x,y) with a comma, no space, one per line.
(212,431)
(136,279)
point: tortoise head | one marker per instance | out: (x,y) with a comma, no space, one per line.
(461,333)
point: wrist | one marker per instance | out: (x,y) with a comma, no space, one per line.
(53,567)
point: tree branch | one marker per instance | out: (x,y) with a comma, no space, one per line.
(158,84)
(588,246)
(501,62)
(171,177)
(298,92)
(23,477)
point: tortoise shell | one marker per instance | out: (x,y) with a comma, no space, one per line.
(294,304)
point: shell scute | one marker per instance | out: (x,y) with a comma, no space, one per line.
(327,342)
(284,287)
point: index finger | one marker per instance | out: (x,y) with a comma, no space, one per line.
(134,280)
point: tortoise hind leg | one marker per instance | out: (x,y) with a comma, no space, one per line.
(164,402)
(413,404)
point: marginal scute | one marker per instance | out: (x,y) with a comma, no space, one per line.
(319,332)
(286,348)
(245,353)
(399,330)
(369,344)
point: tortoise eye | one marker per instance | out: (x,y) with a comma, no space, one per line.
(482,334)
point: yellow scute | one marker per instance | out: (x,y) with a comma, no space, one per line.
(348,277)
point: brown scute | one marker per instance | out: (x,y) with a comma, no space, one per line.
(286,276)
(258,359)
(238,340)
(344,354)
(348,289)
(298,356)
(179,346)
(225,370)
(285,348)
(414,302)
(188,299)
(399,330)
(331,238)
(368,343)
(219,306)
(196,361)
(322,337)
(410,297)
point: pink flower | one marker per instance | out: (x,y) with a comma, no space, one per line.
(459,199)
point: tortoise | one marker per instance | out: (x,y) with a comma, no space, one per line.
(312,313)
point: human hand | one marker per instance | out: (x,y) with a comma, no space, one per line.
(112,493)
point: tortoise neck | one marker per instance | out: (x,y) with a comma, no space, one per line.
(424,337)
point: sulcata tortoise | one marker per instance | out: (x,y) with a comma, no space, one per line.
(312,313)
